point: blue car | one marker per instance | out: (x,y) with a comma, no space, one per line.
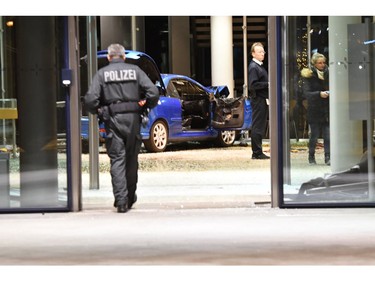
(187,110)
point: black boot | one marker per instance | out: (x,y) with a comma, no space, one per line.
(122,207)
(327,159)
(312,159)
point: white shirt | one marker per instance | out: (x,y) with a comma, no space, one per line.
(257,61)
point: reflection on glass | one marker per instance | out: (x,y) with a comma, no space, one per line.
(33,173)
(338,174)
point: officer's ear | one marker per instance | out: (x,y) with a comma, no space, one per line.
(109,58)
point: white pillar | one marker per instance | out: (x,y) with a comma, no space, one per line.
(346,134)
(222,52)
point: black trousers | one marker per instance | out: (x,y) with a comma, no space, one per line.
(315,129)
(259,123)
(123,150)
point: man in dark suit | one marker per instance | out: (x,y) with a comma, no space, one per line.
(258,88)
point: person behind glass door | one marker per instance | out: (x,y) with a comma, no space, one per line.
(316,92)
(258,93)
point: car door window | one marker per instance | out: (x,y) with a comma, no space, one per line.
(181,87)
(194,104)
(172,90)
(188,90)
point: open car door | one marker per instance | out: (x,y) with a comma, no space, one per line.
(227,113)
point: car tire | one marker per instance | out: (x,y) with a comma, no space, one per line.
(158,138)
(226,138)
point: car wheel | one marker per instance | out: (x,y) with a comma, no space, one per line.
(226,138)
(158,137)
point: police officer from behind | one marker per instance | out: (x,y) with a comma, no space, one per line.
(118,93)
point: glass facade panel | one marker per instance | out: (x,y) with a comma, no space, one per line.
(337,171)
(33,162)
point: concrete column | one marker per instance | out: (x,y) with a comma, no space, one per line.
(179,45)
(346,134)
(138,33)
(115,30)
(222,52)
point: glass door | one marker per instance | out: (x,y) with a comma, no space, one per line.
(33,162)
(329,104)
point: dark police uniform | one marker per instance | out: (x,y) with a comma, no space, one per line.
(121,83)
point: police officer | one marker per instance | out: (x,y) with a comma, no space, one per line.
(117,94)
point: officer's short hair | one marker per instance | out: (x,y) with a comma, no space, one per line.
(116,50)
